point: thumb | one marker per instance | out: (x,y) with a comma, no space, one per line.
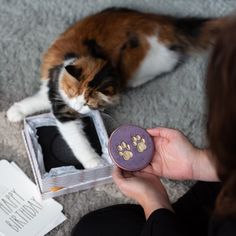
(161,132)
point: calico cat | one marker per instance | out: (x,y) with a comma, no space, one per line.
(91,62)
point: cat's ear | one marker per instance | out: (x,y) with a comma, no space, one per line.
(74,71)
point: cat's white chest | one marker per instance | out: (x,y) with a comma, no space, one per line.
(159,59)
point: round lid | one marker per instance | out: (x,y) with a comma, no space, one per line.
(131,147)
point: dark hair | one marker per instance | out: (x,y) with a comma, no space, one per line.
(221,128)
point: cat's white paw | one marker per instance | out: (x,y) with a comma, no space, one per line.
(15,113)
(94,162)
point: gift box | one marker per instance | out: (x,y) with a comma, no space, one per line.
(56,170)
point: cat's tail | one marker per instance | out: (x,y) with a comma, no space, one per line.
(194,34)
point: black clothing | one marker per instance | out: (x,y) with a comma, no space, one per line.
(193,216)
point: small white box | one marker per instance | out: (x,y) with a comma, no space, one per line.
(64,180)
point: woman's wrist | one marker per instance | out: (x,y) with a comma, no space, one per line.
(151,206)
(203,167)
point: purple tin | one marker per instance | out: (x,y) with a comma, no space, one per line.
(131,147)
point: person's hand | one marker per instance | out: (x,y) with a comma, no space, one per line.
(174,155)
(145,188)
(176,158)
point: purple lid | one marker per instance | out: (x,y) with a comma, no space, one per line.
(131,147)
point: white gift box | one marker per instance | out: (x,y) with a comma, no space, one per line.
(65,179)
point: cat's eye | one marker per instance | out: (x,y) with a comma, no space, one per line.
(107,90)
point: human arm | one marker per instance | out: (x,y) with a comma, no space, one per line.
(149,192)
(203,167)
(145,188)
(176,158)
(164,222)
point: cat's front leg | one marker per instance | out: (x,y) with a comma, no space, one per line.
(30,105)
(73,134)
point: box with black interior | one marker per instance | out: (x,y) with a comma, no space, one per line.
(55,168)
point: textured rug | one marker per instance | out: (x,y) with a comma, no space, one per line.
(177,100)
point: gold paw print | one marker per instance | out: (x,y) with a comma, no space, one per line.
(124,151)
(139,143)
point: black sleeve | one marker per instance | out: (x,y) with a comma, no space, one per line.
(163,222)
(222,227)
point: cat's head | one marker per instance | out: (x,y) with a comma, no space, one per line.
(89,83)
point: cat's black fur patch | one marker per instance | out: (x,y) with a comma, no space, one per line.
(70,55)
(190,26)
(94,48)
(133,41)
(59,108)
(74,71)
(55,72)
(107,73)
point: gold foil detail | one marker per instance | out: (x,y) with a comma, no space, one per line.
(139,143)
(124,151)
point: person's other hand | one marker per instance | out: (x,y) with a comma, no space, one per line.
(145,188)
(174,155)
